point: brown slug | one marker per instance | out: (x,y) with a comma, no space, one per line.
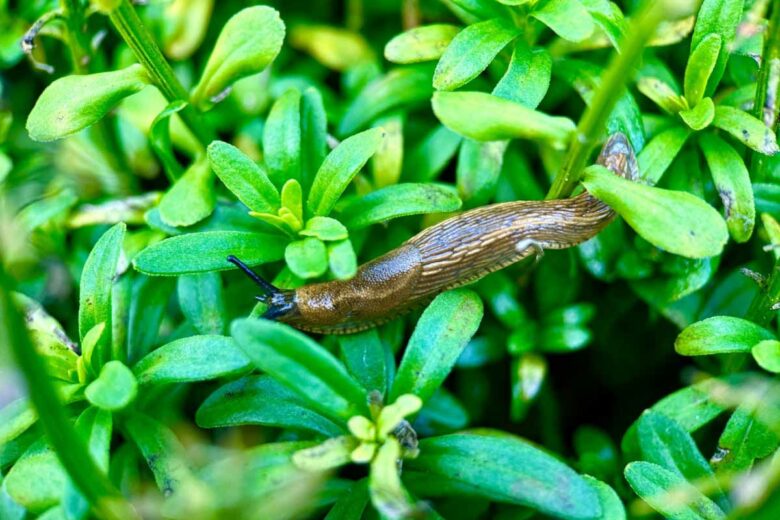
(450,254)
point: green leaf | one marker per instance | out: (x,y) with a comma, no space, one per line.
(720,335)
(15,418)
(485,117)
(424,43)
(659,153)
(440,336)
(527,78)
(700,116)
(399,200)
(431,155)
(194,358)
(88,347)
(114,389)
(611,506)
(246,179)
(185,27)
(75,102)
(47,210)
(384,484)
(163,452)
(387,160)
(261,400)
(292,202)
(765,352)
(49,338)
(504,468)
(717,17)
(528,372)
(264,480)
(307,258)
(192,198)
(207,251)
(398,88)
(471,11)
(149,301)
(340,167)
(745,439)
(282,137)
(202,303)
(160,140)
(95,426)
(691,407)
(342,259)
(314,133)
(10,510)
(662,94)
(332,453)
(567,18)
(563,338)
(664,442)
(325,228)
(97,279)
(701,63)
(335,47)
(732,181)
(249,41)
(37,480)
(478,170)
(351,504)
(746,128)
(471,51)
(366,358)
(674,221)
(302,365)
(670,494)
(609,18)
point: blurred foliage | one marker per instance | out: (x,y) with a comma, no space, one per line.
(635,375)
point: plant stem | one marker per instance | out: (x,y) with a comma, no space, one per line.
(101,133)
(71,449)
(613,81)
(136,36)
(354,18)
(75,35)
(767,106)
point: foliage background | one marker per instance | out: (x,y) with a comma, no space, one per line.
(567,353)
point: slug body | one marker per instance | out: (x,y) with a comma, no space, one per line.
(450,254)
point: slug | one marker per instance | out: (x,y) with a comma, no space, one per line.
(450,254)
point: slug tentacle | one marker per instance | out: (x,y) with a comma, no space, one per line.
(450,254)
(280,303)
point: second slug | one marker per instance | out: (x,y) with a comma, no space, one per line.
(450,254)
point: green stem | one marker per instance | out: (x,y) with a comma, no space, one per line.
(149,55)
(613,81)
(354,18)
(766,106)
(75,36)
(71,449)
(101,133)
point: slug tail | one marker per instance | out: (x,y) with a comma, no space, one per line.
(618,156)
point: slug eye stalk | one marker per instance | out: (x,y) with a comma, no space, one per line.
(280,303)
(268,288)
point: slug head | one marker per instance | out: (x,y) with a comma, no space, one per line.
(281,304)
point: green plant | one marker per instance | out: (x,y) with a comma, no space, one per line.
(144,384)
